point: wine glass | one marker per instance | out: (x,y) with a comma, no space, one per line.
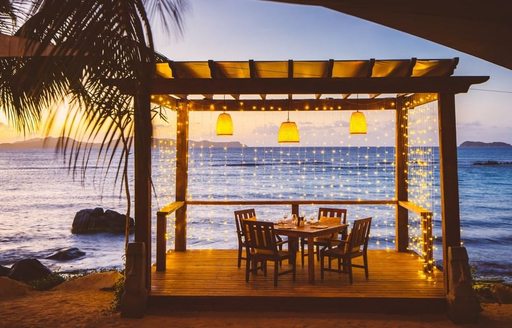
(285,217)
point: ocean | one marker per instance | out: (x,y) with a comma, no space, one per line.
(39,198)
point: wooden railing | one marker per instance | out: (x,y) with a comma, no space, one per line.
(161,232)
(293,203)
(426,231)
(162,214)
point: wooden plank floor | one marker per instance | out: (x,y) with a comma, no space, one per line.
(214,273)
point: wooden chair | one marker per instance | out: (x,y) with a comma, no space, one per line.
(248,214)
(263,246)
(242,244)
(356,245)
(340,214)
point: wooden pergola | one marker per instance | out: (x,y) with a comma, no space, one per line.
(275,85)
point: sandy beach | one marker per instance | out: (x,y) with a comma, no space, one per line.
(82,303)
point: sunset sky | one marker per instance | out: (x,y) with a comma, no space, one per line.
(260,30)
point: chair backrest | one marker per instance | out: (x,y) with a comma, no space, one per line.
(261,236)
(359,236)
(243,215)
(333,216)
(341,213)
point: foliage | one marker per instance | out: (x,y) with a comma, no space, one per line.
(118,293)
(47,282)
(93,54)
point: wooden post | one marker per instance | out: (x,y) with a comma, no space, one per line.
(135,295)
(401,174)
(161,241)
(142,148)
(181,179)
(449,181)
(295,209)
(428,242)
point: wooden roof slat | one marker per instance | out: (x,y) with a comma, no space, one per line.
(434,67)
(327,74)
(343,77)
(371,64)
(290,74)
(214,72)
(253,70)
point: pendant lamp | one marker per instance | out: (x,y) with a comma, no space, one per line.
(288,132)
(358,123)
(224,125)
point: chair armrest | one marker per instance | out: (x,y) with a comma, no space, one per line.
(281,242)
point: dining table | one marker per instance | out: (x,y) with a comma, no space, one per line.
(309,232)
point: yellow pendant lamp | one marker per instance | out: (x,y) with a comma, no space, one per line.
(288,132)
(224,125)
(358,123)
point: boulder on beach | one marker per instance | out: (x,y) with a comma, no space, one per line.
(93,281)
(12,288)
(28,270)
(96,220)
(66,254)
(4,271)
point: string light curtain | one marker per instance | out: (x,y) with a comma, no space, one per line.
(351,168)
(422,166)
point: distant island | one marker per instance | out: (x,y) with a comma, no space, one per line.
(51,143)
(479,144)
(34,143)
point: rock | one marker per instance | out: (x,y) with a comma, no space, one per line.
(12,288)
(4,271)
(28,270)
(66,254)
(96,220)
(93,281)
(97,211)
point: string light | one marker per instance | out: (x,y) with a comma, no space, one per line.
(355,169)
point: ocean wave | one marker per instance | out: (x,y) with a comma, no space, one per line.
(42,168)
(492,163)
(492,270)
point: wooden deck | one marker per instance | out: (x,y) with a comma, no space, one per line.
(198,279)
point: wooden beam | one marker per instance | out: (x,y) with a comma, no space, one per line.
(181,179)
(170,208)
(450,216)
(298,104)
(419,99)
(291,202)
(142,172)
(454,84)
(413,207)
(401,174)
